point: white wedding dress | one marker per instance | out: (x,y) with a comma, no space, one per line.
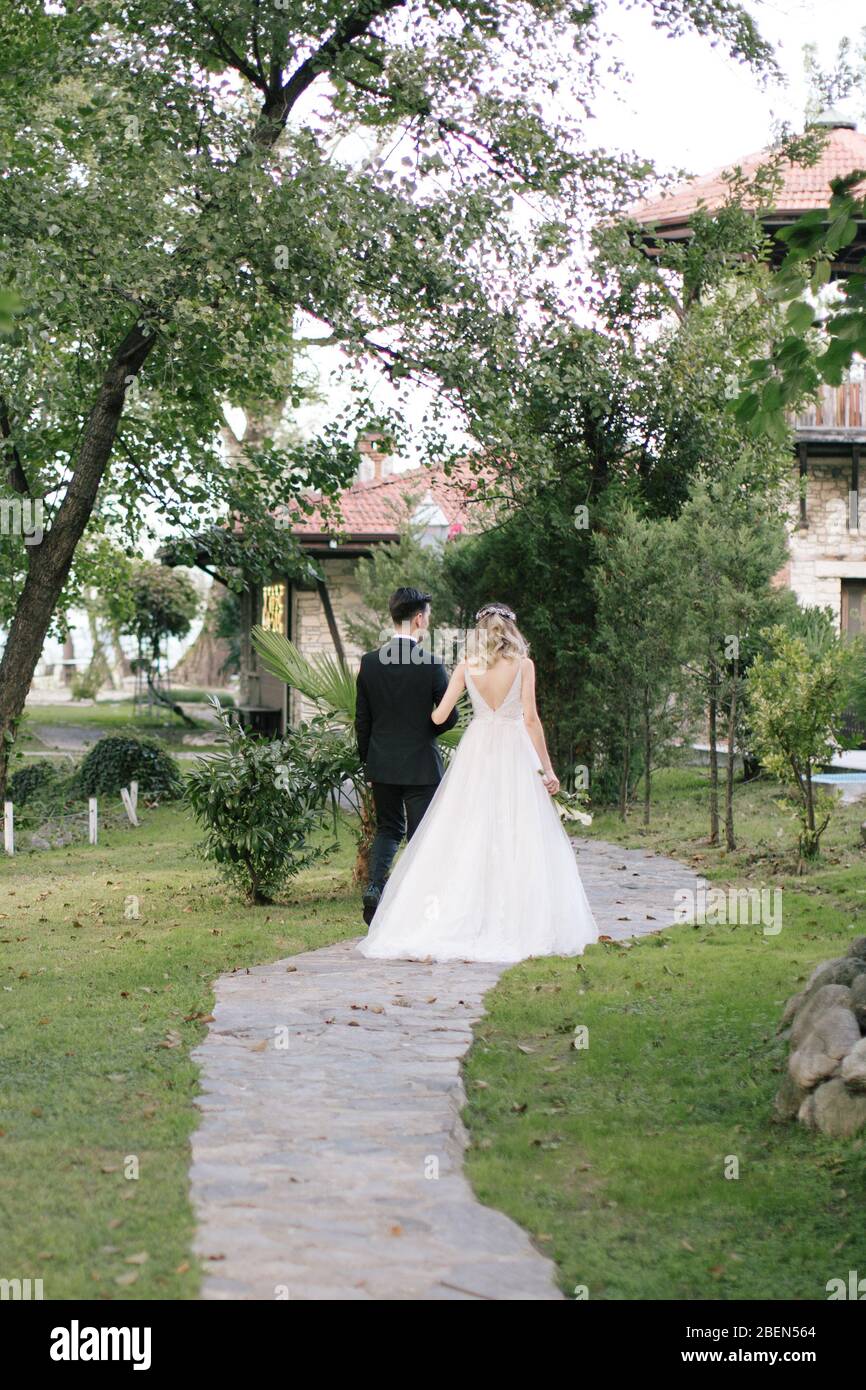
(490,874)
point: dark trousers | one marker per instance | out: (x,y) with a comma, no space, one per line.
(399,811)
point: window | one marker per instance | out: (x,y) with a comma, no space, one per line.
(274,608)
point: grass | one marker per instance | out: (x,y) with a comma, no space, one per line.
(110,717)
(98,1014)
(615,1157)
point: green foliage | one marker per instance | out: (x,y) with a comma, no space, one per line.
(32,782)
(85,685)
(639,647)
(809,349)
(261,801)
(405,561)
(817,627)
(152,602)
(796,700)
(155,174)
(323,679)
(118,759)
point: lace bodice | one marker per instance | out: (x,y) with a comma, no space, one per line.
(511,707)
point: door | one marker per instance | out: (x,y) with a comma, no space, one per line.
(854,607)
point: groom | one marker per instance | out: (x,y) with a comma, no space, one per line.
(398,686)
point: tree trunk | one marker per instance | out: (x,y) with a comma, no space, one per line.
(623,785)
(714,756)
(647,753)
(730,842)
(202,665)
(51,561)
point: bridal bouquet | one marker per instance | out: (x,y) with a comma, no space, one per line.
(569,805)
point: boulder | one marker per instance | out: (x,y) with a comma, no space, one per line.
(858,948)
(789,1098)
(834,1034)
(843,970)
(816,1004)
(853,1068)
(790,1009)
(834,1110)
(858,1001)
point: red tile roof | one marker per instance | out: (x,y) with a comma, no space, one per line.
(804,187)
(377,508)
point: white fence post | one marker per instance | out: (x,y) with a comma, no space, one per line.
(129,797)
(92,821)
(8,828)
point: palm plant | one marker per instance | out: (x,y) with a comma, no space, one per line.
(329,684)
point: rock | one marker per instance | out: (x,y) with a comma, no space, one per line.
(816,1004)
(834,1110)
(853,1069)
(843,970)
(818,1056)
(790,1009)
(789,1098)
(858,1000)
(858,947)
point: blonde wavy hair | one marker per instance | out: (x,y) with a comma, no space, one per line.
(496,637)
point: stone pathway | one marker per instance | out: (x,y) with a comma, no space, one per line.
(328,1163)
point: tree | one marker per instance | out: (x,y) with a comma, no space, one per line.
(152,603)
(796,701)
(639,645)
(732,542)
(171,198)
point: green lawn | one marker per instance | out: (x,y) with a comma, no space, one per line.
(108,717)
(98,1013)
(614,1157)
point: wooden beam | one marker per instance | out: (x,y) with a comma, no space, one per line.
(331,620)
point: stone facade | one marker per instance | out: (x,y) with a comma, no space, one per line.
(309,624)
(827,550)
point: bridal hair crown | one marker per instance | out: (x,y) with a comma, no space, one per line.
(499,608)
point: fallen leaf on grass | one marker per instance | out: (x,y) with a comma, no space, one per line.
(140,1259)
(124,1280)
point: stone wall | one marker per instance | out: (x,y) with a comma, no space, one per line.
(309,625)
(826,551)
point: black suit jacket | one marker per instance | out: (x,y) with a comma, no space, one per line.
(398,685)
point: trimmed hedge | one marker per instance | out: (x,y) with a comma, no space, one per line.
(118,759)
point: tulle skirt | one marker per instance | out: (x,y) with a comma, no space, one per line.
(490,874)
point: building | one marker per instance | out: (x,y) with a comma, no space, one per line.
(371,512)
(827,547)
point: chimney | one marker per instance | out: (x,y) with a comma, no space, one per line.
(375,460)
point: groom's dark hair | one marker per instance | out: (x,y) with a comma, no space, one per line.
(405,603)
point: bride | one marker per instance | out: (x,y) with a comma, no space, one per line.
(490,874)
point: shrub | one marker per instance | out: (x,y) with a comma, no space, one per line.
(32,782)
(118,759)
(85,686)
(260,802)
(796,699)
